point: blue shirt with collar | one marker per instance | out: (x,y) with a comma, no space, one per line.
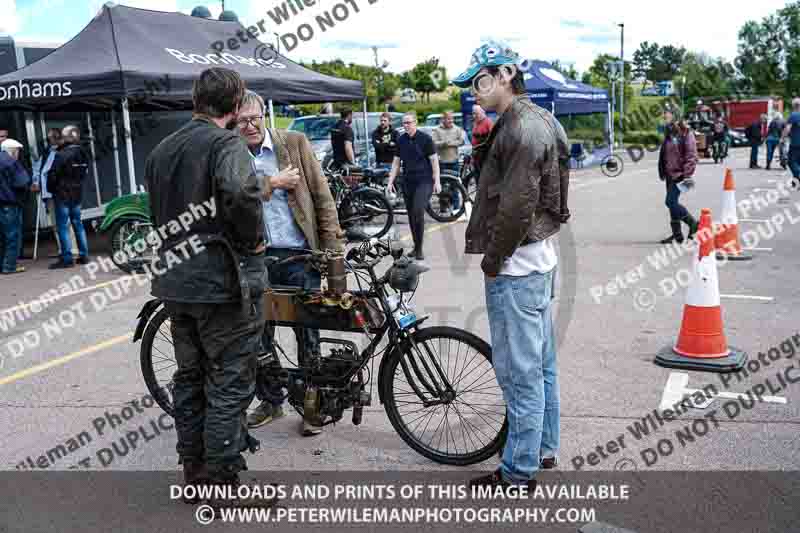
(281,229)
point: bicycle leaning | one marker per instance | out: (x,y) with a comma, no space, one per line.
(436,384)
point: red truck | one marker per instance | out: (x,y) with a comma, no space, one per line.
(742,113)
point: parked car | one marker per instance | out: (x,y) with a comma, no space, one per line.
(318,130)
(408,96)
(651,91)
(738,138)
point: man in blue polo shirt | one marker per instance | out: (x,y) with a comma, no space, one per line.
(420,176)
(792,130)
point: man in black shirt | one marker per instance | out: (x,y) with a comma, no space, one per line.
(420,176)
(65,181)
(384,139)
(342,140)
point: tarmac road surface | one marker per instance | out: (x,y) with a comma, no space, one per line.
(62,385)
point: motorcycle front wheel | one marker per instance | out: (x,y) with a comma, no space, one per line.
(442,397)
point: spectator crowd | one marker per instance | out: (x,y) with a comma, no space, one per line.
(57,181)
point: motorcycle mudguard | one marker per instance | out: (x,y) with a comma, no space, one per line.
(131,206)
(144,317)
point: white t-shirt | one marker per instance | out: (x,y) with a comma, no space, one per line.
(537,256)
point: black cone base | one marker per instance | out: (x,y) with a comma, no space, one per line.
(734,361)
(722,256)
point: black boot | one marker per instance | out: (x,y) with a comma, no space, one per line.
(194,473)
(690,221)
(677,234)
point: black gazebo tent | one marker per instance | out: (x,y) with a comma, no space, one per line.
(147,60)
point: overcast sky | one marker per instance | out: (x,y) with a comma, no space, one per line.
(410,31)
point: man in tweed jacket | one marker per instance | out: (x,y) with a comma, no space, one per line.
(299,214)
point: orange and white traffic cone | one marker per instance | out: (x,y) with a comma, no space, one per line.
(726,234)
(701,343)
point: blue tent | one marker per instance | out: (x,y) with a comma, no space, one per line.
(549,89)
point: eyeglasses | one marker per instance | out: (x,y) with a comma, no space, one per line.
(252,121)
(483,83)
(407,122)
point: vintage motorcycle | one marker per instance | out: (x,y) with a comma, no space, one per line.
(447,206)
(127,220)
(361,208)
(437,384)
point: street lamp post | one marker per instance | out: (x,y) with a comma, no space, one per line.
(683,92)
(612,67)
(622,87)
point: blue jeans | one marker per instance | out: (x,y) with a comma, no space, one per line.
(451,166)
(754,155)
(771,145)
(67,213)
(794,161)
(524,358)
(290,275)
(10,225)
(676,211)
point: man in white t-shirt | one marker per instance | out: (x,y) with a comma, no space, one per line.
(521,204)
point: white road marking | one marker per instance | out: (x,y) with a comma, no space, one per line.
(754,220)
(759,249)
(675,391)
(747,297)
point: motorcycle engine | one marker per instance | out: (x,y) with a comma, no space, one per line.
(323,401)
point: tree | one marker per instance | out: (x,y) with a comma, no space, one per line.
(707,77)
(643,60)
(762,55)
(429,77)
(669,63)
(657,63)
(598,74)
(791,17)
(568,71)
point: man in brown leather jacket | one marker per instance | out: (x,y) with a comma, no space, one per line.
(299,214)
(521,203)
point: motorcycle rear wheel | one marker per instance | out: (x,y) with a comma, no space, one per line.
(126,236)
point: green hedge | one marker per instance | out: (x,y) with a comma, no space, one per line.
(423,110)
